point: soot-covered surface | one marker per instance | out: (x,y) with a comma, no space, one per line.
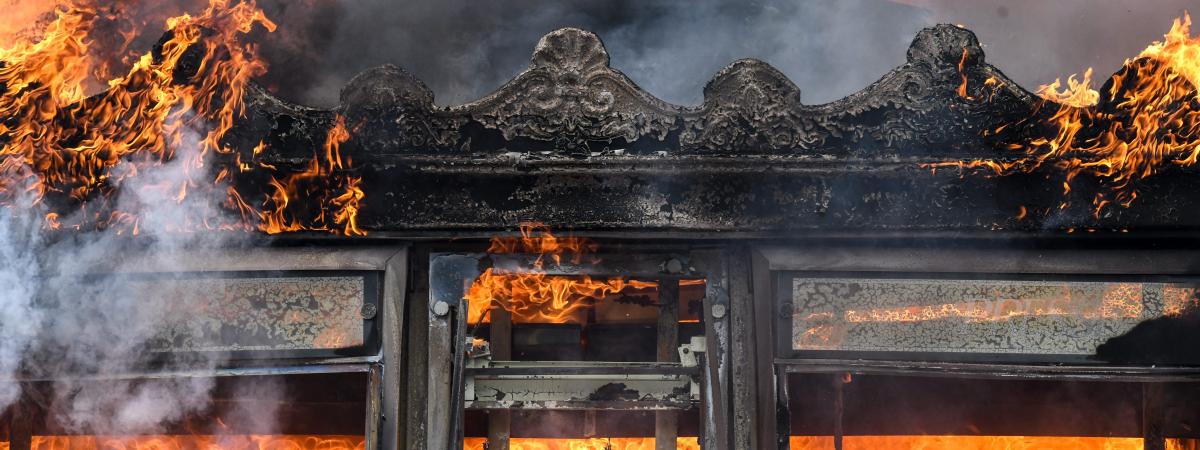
(572,142)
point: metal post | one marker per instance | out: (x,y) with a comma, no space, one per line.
(839,408)
(20,430)
(783,414)
(666,423)
(1153,417)
(458,353)
(374,407)
(500,421)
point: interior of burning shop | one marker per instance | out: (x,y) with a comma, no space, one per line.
(942,260)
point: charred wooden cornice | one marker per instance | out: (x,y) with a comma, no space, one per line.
(571,103)
(573,142)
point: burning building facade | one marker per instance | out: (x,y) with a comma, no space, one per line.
(570,262)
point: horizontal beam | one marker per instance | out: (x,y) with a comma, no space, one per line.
(993,371)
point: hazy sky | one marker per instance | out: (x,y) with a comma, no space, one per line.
(464,49)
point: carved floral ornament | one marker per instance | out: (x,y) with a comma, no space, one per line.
(570,99)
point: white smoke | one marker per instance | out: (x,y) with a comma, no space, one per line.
(19,275)
(63,318)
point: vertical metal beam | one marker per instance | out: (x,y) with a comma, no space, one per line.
(448,278)
(743,344)
(374,407)
(718,422)
(458,350)
(666,423)
(438,397)
(1153,417)
(768,392)
(500,421)
(389,433)
(783,413)
(20,430)
(839,408)
(416,372)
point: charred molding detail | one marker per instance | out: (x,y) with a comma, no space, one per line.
(571,103)
(570,97)
(572,141)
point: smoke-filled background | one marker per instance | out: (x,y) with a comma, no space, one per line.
(61,320)
(464,49)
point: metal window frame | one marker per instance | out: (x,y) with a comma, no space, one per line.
(942,259)
(383,351)
(443,411)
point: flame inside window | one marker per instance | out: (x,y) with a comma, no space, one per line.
(683,443)
(980,443)
(538,297)
(205,442)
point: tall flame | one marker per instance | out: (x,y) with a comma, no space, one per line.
(1145,120)
(64,147)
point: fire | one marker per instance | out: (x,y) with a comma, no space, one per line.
(314,182)
(211,442)
(683,443)
(973,443)
(1146,119)
(962,87)
(536,297)
(536,238)
(1119,301)
(69,150)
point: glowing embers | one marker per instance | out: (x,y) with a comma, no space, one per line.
(683,443)
(969,443)
(1144,120)
(206,442)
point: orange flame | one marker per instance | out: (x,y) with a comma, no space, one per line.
(537,297)
(975,443)
(62,146)
(212,442)
(537,238)
(962,87)
(1149,120)
(314,183)
(683,443)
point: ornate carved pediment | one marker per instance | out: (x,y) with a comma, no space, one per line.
(571,97)
(570,102)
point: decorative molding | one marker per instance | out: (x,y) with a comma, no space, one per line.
(573,142)
(571,103)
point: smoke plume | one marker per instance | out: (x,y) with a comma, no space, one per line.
(65,319)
